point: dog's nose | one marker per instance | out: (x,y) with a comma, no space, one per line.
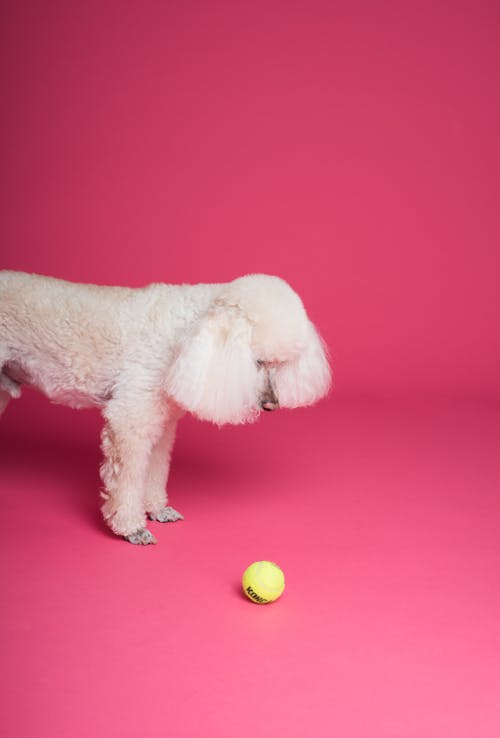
(269,405)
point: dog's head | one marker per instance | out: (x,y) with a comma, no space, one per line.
(254,349)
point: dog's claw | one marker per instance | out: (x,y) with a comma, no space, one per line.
(167,515)
(141,537)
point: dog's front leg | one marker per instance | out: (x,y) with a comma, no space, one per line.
(127,441)
(157,475)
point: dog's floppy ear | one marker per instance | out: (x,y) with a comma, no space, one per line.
(214,375)
(307,378)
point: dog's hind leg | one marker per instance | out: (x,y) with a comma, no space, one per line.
(8,388)
(4,400)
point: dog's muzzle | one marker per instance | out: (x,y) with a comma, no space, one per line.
(268,399)
(269,406)
(269,402)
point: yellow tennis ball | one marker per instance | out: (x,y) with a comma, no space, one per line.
(263,582)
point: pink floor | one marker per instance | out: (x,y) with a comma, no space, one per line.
(384,516)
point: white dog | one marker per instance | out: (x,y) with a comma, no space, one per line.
(145,356)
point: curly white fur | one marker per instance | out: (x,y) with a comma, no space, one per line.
(145,356)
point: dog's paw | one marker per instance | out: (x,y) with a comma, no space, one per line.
(141,537)
(167,515)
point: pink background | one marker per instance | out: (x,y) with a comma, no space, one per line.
(353,149)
